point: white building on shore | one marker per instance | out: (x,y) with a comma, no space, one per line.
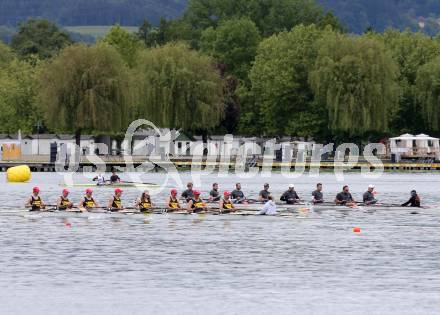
(408,146)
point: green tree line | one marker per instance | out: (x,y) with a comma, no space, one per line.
(249,67)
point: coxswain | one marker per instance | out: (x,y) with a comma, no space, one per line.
(99,179)
(225,204)
(172,202)
(237,194)
(35,202)
(214,194)
(345,198)
(414,201)
(317,195)
(269,208)
(87,202)
(115,202)
(369,196)
(264,194)
(63,202)
(290,196)
(114,179)
(196,204)
(188,194)
(143,203)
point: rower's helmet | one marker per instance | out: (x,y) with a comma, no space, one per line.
(196,193)
(173,191)
(36,190)
(118,191)
(66,191)
(226,193)
(413,193)
(89,191)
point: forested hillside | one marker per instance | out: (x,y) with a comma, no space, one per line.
(89,12)
(357,15)
(382,14)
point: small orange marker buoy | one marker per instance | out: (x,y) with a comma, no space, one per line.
(357,230)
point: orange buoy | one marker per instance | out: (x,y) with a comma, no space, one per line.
(357,230)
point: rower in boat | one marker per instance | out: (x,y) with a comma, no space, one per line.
(114,179)
(269,208)
(115,202)
(196,204)
(214,194)
(290,196)
(172,202)
(414,201)
(63,202)
(237,194)
(34,202)
(345,198)
(369,198)
(143,203)
(264,194)
(317,195)
(225,204)
(100,180)
(87,203)
(188,194)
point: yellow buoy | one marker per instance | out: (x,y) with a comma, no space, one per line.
(18,174)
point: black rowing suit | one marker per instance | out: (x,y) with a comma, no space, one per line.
(88,202)
(65,203)
(145,204)
(117,203)
(36,203)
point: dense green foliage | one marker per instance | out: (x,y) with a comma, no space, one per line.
(179,88)
(85,88)
(39,38)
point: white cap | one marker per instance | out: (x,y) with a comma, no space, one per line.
(370,186)
(291,186)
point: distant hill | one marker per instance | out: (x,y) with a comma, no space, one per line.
(89,12)
(357,15)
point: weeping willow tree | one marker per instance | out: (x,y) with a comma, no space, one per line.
(85,89)
(356,79)
(179,88)
(428,93)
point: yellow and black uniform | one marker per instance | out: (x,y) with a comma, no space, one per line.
(145,204)
(36,203)
(65,203)
(174,203)
(198,204)
(88,202)
(227,204)
(117,203)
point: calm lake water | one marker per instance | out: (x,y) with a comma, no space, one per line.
(311,263)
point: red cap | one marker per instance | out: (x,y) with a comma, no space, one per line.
(118,191)
(173,191)
(89,190)
(66,191)
(226,193)
(196,193)
(36,189)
